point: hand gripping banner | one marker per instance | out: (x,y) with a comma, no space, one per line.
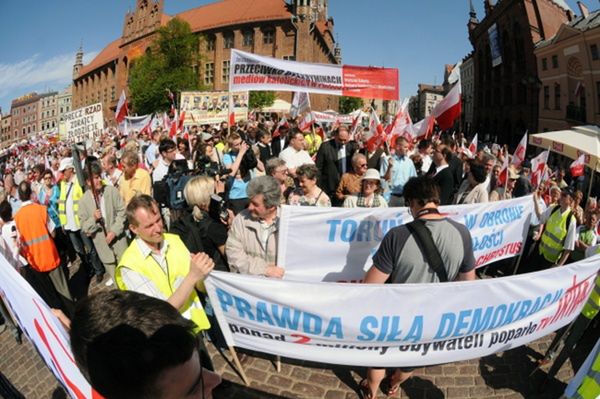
(396,325)
(254,72)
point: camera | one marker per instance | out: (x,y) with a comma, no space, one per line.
(217,208)
(204,166)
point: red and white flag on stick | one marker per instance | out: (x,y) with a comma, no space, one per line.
(282,122)
(173,126)
(538,167)
(402,124)
(519,155)
(448,110)
(375,135)
(306,122)
(471,150)
(181,121)
(300,104)
(578,166)
(355,124)
(231,112)
(122,108)
(423,128)
(503,176)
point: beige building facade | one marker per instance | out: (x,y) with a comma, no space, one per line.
(569,72)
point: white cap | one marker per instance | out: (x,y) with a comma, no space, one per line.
(66,163)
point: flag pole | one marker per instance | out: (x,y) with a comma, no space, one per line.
(592,180)
(228,112)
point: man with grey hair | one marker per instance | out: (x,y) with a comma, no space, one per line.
(251,246)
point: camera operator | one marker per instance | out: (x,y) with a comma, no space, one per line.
(241,160)
(203,227)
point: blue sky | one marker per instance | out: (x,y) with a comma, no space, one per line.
(38,39)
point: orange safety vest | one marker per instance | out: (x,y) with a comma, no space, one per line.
(37,246)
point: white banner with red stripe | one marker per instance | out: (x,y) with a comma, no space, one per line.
(337,244)
(392,325)
(254,72)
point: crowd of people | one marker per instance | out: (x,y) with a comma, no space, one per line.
(155,214)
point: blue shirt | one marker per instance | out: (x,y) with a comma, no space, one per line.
(238,187)
(403,169)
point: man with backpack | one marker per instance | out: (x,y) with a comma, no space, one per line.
(560,232)
(409,254)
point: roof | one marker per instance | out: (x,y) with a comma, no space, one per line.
(232,12)
(109,53)
(580,23)
(572,143)
(210,16)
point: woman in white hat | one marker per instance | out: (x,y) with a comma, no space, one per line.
(369,196)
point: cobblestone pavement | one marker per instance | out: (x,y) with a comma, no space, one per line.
(503,375)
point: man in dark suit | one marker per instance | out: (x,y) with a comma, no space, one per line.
(334,159)
(279,144)
(443,175)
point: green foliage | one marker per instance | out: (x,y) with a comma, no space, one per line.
(261,99)
(349,104)
(168,65)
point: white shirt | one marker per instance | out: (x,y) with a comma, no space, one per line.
(426,163)
(160,172)
(71,225)
(342,157)
(438,169)
(294,158)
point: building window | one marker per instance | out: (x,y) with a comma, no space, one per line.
(546,97)
(544,64)
(248,39)
(555,61)
(210,42)
(225,76)
(289,57)
(556,96)
(228,40)
(594,51)
(209,73)
(268,37)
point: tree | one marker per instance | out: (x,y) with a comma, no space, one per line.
(167,65)
(261,99)
(349,104)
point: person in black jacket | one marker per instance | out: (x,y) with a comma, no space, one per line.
(443,174)
(199,229)
(334,158)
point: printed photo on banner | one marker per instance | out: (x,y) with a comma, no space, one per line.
(397,325)
(206,107)
(337,244)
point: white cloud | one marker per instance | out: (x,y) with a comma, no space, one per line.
(35,73)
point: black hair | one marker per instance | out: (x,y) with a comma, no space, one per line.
(166,145)
(24,191)
(478,172)
(422,189)
(123,340)
(5,211)
(96,170)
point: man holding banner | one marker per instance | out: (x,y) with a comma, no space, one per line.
(422,251)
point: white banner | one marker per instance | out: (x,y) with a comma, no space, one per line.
(210,107)
(325,117)
(83,124)
(42,328)
(396,325)
(254,72)
(337,244)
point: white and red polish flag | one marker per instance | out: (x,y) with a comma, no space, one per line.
(306,122)
(519,155)
(470,151)
(355,124)
(181,120)
(423,128)
(300,104)
(503,172)
(578,166)
(173,126)
(448,110)
(538,166)
(122,108)
(402,124)
(375,135)
(282,122)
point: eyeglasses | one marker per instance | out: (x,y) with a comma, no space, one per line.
(362,165)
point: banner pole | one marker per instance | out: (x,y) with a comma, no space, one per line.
(229,113)
(592,180)
(237,363)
